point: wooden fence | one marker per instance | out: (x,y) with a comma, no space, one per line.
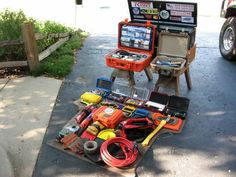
(29,38)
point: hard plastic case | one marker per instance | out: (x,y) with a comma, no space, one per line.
(173,48)
(127,64)
(103,87)
(178,106)
(90,98)
(107,116)
(174,123)
(104,84)
(157,101)
(190,31)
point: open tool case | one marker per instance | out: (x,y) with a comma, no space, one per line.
(173,53)
(103,86)
(135,46)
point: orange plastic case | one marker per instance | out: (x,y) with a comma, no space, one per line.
(147,53)
(175,125)
(108,116)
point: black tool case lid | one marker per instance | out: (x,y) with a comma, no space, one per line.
(178,103)
(163,12)
(160,98)
(104,84)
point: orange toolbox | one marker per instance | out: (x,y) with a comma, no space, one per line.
(136,44)
(109,117)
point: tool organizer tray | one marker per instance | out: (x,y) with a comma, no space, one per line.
(175,65)
(124,171)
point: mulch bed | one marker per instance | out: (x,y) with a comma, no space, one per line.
(13,72)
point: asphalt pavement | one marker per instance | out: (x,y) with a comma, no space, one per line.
(206,146)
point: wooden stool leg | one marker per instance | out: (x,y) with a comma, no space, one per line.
(113,78)
(156,87)
(131,78)
(188,79)
(129,75)
(148,73)
(177,85)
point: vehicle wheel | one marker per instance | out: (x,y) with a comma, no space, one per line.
(227,41)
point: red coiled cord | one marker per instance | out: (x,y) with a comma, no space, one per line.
(129,149)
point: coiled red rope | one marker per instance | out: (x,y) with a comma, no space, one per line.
(128,147)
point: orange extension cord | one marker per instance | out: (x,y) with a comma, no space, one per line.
(128,148)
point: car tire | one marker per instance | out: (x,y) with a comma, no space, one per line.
(227,40)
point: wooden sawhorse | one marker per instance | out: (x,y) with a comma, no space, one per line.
(129,75)
(173,82)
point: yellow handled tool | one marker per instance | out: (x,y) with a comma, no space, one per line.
(154,132)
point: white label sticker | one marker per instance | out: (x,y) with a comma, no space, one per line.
(180,7)
(149,11)
(187,19)
(108,110)
(179,13)
(164,14)
(142,4)
(175,19)
(136,10)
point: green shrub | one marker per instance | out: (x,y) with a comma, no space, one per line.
(52,27)
(59,63)
(47,28)
(10,24)
(10,29)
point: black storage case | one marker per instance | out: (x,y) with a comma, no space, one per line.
(166,15)
(178,106)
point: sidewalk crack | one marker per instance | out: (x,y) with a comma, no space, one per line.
(4,85)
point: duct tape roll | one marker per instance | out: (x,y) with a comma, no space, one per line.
(90,147)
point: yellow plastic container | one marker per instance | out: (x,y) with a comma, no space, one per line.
(90,98)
